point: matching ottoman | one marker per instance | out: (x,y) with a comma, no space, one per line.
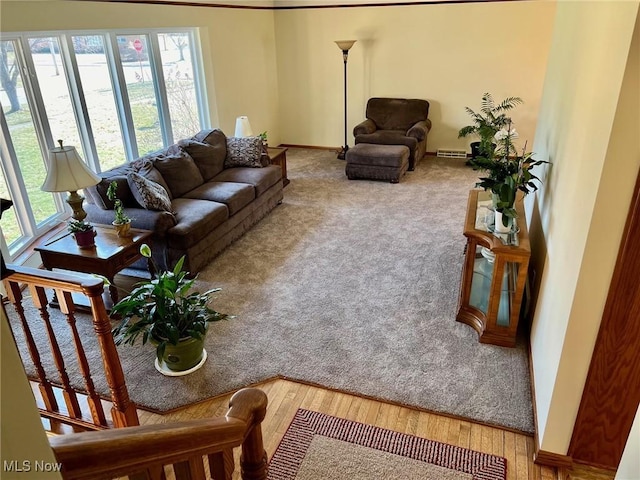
(377,162)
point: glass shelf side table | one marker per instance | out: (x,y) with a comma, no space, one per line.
(494,272)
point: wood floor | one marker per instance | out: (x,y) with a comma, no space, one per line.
(285,397)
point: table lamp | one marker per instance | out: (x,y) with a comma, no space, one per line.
(68,173)
(243,127)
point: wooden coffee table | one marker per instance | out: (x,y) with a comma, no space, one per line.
(110,255)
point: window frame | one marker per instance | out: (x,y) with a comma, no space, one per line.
(9,163)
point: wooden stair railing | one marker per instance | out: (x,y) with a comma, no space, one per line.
(148,452)
(66,407)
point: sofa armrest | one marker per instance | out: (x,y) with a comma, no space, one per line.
(158,222)
(364,127)
(419,130)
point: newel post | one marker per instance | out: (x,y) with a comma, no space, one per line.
(250,406)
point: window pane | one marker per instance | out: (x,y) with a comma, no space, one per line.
(55,93)
(100,100)
(134,54)
(10,227)
(23,135)
(179,80)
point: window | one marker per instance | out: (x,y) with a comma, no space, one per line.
(113,95)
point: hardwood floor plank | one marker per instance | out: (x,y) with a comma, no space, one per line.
(522,461)
(464,436)
(497,442)
(475,442)
(422,428)
(509,452)
(454,432)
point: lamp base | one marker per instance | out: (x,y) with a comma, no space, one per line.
(75,202)
(342,154)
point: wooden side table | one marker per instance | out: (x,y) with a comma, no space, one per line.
(110,255)
(278,156)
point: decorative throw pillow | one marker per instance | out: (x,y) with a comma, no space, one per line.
(243,152)
(144,166)
(149,194)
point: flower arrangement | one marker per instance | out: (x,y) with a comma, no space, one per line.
(507,172)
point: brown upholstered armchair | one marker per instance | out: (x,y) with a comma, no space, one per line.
(396,121)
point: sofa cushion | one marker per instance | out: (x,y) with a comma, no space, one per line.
(119,175)
(243,152)
(260,178)
(196,219)
(149,194)
(178,170)
(208,149)
(387,137)
(234,195)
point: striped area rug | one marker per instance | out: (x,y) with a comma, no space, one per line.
(317,446)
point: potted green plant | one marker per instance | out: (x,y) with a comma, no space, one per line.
(486,123)
(507,173)
(166,312)
(83,233)
(121,222)
(263,137)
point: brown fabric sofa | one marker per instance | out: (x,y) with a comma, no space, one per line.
(396,121)
(211,206)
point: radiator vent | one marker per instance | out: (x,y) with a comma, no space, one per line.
(452,153)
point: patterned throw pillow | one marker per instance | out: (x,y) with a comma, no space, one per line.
(150,195)
(144,166)
(243,152)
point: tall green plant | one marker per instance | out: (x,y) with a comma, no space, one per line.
(164,309)
(491,118)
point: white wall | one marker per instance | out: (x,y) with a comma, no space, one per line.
(447,54)
(629,468)
(588,127)
(21,434)
(238,47)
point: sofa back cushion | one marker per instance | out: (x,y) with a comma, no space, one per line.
(396,113)
(178,170)
(98,193)
(208,149)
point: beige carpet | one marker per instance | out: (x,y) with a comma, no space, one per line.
(318,447)
(352,285)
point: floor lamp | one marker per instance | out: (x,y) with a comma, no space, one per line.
(345,45)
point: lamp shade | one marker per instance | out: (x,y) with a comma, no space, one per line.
(243,127)
(67,172)
(345,45)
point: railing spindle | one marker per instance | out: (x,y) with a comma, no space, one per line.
(46,390)
(222,465)
(191,469)
(67,306)
(41,302)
